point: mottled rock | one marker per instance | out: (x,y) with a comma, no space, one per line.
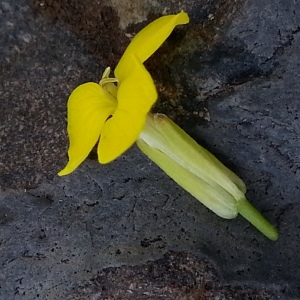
(40,65)
(230,78)
(175,276)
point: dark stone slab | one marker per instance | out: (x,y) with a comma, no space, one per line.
(236,79)
(59,236)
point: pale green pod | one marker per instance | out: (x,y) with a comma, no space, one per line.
(176,143)
(199,172)
(215,198)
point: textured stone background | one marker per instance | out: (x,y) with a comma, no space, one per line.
(125,230)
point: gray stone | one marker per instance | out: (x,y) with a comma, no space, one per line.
(125,230)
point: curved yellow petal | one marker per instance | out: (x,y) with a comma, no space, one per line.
(89,106)
(148,40)
(136,95)
(118,134)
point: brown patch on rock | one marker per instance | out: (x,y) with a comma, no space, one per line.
(176,276)
(95,23)
(40,66)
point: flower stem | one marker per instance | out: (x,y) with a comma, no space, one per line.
(251,214)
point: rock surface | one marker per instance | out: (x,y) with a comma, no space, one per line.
(230,78)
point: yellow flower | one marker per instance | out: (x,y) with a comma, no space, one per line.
(116,114)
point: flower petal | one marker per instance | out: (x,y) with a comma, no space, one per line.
(118,134)
(148,40)
(136,95)
(89,106)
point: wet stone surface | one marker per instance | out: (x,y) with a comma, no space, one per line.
(125,230)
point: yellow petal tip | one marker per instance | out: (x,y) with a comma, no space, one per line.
(69,168)
(63,172)
(183,17)
(105,160)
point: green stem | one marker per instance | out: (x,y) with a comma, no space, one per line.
(251,214)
